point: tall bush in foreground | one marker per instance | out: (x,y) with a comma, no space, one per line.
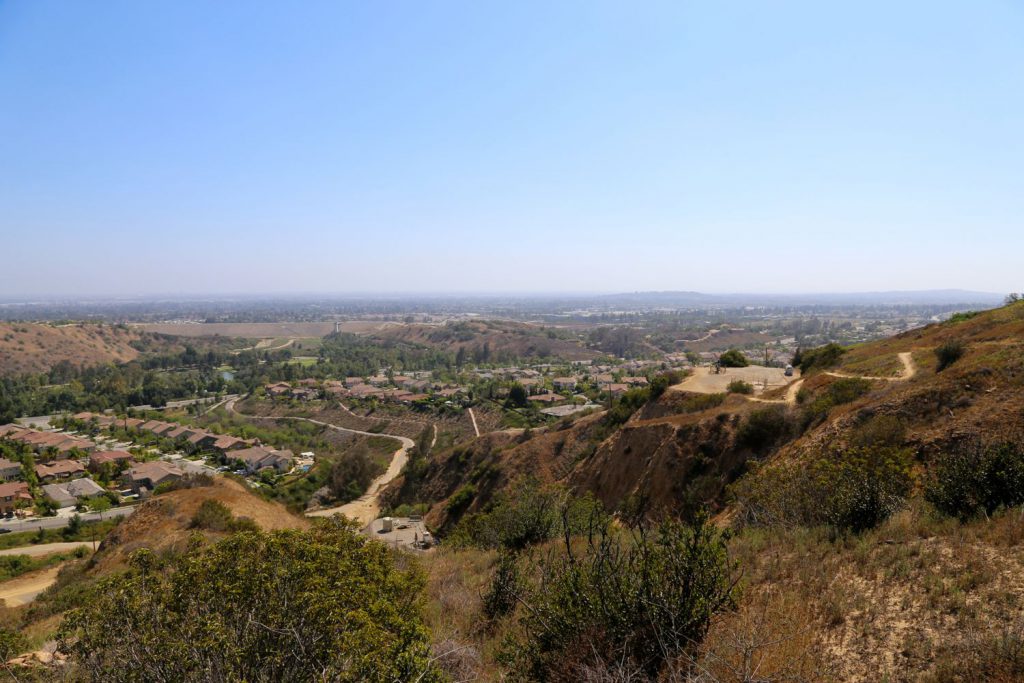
(325,604)
(623,600)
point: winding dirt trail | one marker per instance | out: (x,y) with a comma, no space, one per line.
(366,508)
(790,398)
(909,370)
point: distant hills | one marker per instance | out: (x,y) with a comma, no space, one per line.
(888,298)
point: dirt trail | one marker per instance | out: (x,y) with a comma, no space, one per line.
(473,417)
(790,398)
(366,508)
(909,370)
(44,549)
(25,588)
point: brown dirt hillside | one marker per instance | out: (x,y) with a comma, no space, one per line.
(684,450)
(163,523)
(32,347)
(503,339)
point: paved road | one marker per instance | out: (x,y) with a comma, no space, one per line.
(61,522)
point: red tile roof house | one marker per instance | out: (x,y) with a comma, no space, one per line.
(178,433)
(62,469)
(226,443)
(146,476)
(14,495)
(547,398)
(259,457)
(201,439)
(9,470)
(353,381)
(278,389)
(97,460)
(564,383)
(10,430)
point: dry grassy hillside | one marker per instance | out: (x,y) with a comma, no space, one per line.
(165,522)
(32,347)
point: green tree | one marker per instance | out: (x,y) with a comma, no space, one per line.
(99,504)
(517,397)
(325,604)
(733,359)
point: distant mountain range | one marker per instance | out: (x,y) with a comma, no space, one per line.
(890,298)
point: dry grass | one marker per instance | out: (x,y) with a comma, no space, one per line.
(31,347)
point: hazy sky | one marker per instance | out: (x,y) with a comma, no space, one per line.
(155,147)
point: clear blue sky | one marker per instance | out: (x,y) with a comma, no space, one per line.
(239,146)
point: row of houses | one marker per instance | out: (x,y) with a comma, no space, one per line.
(47,444)
(249,452)
(311,389)
(195,436)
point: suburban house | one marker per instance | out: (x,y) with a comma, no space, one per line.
(615,388)
(97,460)
(59,495)
(61,469)
(83,488)
(13,495)
(226,443)
(146,476)
(201,439)
(564,383)
(547,398)
(260,457)
(278,389)
(9,470)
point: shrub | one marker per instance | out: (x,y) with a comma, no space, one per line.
(502,593)
(851,490)
(662,382)
(948,353)
(533,515)
(763,428)
(623,598)
(213,515)
(189,481)
(325,604)
(821,357)
(352,473)
(976,478)
(880,430)
(461,499)
(738,386)
(695,403)
(962,317)
(733,358)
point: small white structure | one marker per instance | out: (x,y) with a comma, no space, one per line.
(387,525)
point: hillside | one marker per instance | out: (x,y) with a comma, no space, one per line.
(914,595)
(32,347)
(166,522)
(684,449)
(490,340)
